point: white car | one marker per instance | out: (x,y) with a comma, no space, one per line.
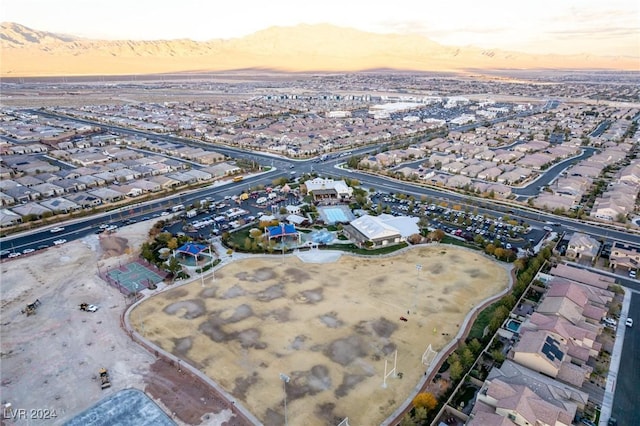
(14,254)
(629,322)
(57,229)
(28,250)
(59,242)
(92,308)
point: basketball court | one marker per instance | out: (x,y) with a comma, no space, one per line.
(132,277)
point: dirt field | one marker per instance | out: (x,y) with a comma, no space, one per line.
(50,360)
(329,327)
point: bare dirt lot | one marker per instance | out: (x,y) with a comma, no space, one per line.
(328,327)
(50,360)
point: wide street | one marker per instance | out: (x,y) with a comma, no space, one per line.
(627,398)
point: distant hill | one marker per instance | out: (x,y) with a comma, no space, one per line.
(303,48)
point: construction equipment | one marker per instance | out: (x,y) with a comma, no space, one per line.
(104,379)
(31,308)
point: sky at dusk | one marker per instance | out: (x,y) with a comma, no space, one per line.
(596,27)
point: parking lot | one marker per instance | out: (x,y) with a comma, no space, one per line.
(463,222)
(215,216)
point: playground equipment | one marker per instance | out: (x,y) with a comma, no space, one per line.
(104,379)
(31,308)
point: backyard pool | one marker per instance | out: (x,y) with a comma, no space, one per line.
(513,325)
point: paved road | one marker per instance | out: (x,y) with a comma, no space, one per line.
(626,404)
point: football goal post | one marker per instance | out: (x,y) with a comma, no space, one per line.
(392,372)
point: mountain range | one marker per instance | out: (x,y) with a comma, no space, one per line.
(27,52)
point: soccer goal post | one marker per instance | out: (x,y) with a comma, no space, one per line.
(428,356)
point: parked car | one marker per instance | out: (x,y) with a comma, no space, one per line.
(629,322)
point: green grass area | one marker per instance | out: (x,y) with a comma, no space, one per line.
(352,248)
(482,321)
(238,237)
(456,242)
(207,266)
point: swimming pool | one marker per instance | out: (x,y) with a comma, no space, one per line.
(513,325)
(322,237)
(336,214)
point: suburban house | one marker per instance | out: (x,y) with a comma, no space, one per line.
(9,218)
(545,387)
(61,205)
(570,301)
(582,276)
(501,403)
(582,246)
(542,352)
(624,256)
(581,339)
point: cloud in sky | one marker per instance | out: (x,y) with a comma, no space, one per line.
(545,26)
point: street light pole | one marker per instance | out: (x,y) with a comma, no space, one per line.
(285,379)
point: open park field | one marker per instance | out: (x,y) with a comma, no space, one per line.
(329,327)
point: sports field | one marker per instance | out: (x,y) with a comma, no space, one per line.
(327,326)
(133,277)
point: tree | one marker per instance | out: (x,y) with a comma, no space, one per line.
(408,420)
(172,243)
(467,358)
(423,222)
(475,346)
(173,266)
(414,239)
(508,301)
(425,400)
(498,356)
(438,235)
(520,264)
(456,371)
(490,249)
(499,315)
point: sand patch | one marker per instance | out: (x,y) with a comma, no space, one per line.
(113,245)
